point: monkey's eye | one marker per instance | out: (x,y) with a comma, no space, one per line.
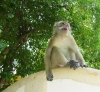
(63,23)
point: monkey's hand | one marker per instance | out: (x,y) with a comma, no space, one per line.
(49,77)
(74,64)
(83,65)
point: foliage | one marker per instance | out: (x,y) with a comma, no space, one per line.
(26,26)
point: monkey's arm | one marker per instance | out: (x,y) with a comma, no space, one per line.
(79,56)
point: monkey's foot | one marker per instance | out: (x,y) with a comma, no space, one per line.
(74,64)
(50,77)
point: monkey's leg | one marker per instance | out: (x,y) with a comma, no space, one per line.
(72,55)
(47,62)
(57,58)
(49,74)
(73,63)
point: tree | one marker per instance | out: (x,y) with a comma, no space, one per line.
(26,26)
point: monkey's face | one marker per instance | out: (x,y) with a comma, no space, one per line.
(62,27)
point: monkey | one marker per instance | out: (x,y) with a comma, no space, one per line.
(62,50)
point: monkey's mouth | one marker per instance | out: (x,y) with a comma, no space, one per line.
(64,28)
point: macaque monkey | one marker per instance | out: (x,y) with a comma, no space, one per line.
(62,50)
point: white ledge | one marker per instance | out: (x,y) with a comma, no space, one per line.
(65,80)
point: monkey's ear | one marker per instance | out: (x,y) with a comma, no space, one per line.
(55,24)
(69,28)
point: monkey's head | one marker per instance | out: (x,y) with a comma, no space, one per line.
(62,27)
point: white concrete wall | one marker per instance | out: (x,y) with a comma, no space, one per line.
(65,80)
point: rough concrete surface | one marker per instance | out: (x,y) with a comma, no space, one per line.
(65,80)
